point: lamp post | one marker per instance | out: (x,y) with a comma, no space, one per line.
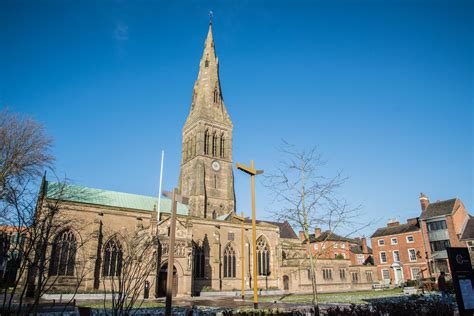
(252,172)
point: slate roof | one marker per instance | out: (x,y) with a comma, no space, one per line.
(394,230)
(358,249)
(81,194)
(286,231)
(468,230)
(330,236)
(438,208)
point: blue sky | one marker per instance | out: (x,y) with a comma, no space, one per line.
(383,88)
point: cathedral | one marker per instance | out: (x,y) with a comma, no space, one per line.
(211,252)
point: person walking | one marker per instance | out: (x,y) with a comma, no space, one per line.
(443,288)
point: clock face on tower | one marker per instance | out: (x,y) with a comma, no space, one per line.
(215,165)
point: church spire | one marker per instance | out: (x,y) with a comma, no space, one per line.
(207,100)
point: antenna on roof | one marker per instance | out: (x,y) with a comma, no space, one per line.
(161,181)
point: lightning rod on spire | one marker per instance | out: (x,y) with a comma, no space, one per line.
(210,16)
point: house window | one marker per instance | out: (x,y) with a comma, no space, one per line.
(415,273)
(439,245)
(381,242)
(394,241)
(335,245)
(63,254)
(396,256)
(342,274)
(229,262)
(343,246)
(383,257)
(470,245)
(113,256)
(355,277)
(410,239)
(263,257)
(385,274)
(360,259)
(327,274)
(412,254)
(369,276)
(436,225)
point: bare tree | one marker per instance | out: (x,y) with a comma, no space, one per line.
(126,270)
(38,225)
(33,217)
(24,154)
(306,198)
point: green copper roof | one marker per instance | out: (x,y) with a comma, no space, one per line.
(81,194)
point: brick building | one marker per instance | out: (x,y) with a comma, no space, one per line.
(399,252)
(442,223)
(468,238)
(329,245)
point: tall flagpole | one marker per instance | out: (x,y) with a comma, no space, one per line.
(161,181)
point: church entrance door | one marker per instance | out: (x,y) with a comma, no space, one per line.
(161,284)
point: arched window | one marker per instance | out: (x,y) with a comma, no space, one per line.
(214,144)
(216,96)
(194,145)
(189,146)
(206,142)
(222,147)
(206,63)
(63,254)
(229,262)
(214,215)
(263,257)
(199,260)
(113,256)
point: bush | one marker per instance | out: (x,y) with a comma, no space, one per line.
(415,305)
(411,283)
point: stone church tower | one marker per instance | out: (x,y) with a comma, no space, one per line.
(206,175)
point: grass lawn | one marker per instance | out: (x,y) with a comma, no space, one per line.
(346,297)
(108,304)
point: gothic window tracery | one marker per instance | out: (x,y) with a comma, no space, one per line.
(113,256)
(206,142)
(222,145)
(199,260)
(214,144)
(63,254)
(229,262)
(263,256)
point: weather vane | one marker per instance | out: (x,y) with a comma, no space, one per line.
(210,16)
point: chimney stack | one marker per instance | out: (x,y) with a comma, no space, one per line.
(364,245)
(301,234)
(317,232)
(424,201)
(393,222)
(412,221)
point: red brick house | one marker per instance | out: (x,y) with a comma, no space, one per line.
(399,252)
(468,238)
(333,246)
(442,223)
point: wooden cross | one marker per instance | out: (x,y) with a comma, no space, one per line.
(252,172)
(175,198)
